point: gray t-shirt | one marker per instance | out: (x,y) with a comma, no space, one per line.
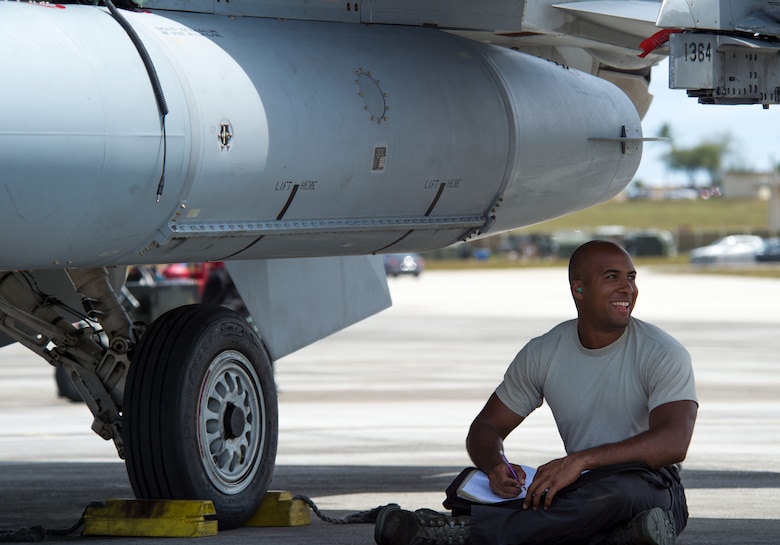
(598,396)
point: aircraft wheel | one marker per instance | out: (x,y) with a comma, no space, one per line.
(200,412)
(65,386)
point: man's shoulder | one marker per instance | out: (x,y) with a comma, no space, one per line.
(651,330)
(650,333)
(563,328)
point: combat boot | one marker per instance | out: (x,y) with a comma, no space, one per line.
(652,527)
(395,526)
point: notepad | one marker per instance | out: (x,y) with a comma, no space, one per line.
(476,487)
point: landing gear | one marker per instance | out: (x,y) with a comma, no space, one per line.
(189,402)
(200,412)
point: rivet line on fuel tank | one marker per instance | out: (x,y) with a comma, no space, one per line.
(427,213)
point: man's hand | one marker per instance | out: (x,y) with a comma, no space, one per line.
(485,444)
(503,483)
(551,478)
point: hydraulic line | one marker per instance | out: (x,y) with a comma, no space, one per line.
(159,96)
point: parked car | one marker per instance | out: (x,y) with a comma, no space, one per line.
(650,242)
(730,249)
(397,264)
(770,251)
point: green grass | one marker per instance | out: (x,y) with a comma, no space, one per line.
(715,216)
(677,264)
(721,214)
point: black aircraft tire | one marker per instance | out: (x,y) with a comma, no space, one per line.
(200,413)
(65,386)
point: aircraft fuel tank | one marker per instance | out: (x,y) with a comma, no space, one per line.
(284,138)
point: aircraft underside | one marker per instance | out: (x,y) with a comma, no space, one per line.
(295,151)
(318,143)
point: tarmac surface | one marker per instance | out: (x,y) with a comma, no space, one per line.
(378,413)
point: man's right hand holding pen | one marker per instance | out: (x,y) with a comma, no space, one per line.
(507,480)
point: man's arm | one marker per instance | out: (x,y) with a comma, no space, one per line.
(664,443)
(485,441)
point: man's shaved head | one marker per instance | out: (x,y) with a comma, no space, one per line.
(580,257)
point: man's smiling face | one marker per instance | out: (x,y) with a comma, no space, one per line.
(609,293)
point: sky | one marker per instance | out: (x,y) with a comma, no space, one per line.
(755,132)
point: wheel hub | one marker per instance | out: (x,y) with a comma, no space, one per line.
(234,421)
(231,422)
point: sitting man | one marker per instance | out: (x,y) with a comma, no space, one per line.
(623,397)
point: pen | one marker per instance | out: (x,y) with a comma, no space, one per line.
(511,469)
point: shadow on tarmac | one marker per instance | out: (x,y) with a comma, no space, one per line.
(55,494)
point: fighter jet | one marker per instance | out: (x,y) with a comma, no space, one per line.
(297,141)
